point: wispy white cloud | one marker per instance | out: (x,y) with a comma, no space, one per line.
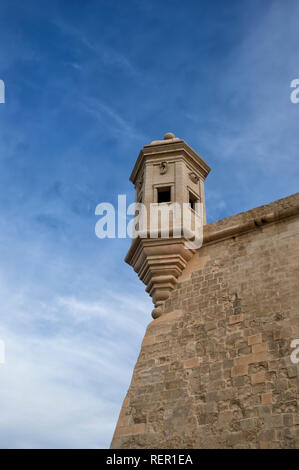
(256,85)
(68,365)
(251,125)
(103,51)
(108,117)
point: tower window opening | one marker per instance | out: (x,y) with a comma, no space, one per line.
(192,201)
(164,194)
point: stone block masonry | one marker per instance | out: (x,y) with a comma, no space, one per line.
(214,371)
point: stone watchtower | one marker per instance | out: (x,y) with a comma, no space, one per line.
(167,172)
(217,368)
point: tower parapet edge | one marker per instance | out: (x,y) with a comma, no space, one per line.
(167,173)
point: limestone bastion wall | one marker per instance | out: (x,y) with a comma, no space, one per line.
(214,371)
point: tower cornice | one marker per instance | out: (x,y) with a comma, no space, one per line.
(168,148)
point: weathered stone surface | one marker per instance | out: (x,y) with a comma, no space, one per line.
(214,370)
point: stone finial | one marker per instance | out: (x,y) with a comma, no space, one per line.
(169,135)
(168,138)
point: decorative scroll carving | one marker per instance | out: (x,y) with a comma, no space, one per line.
(193,177)
(163,168)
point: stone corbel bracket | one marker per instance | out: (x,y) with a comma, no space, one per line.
(159,262)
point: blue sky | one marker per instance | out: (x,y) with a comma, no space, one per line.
(88,83)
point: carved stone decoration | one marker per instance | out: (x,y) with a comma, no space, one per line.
(158,263)
(193,177)
(163,168)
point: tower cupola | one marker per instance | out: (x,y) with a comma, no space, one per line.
(168,176)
